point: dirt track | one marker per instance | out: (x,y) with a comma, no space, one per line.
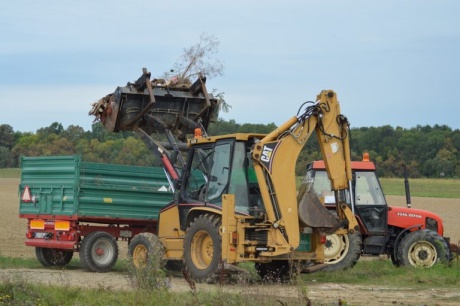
(13,230)
(318,293)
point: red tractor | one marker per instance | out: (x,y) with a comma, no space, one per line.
(410,237)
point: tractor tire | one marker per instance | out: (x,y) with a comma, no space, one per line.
(423,248)
(342,251)
(394,259)
(52,257)
(98,252)
(145,249)
(203,247)
(274,272)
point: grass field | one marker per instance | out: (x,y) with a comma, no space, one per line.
(436,188)
(10,173)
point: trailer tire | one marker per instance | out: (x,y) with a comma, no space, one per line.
(145,249)
(203,247)
(53,257)
(342,251)
(98,252)
(422,248)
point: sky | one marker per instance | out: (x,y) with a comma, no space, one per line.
(391,62)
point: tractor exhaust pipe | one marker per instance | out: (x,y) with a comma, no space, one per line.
(406,186)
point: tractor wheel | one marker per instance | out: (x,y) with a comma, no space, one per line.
(394,259)
(145,249)
(423,248)
(98,252)
(342,251)
(52,257)
(274,272)
(203,247)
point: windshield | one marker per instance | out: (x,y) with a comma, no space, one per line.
(367,188)
(220,168)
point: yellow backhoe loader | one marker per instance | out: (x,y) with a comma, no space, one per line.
(235,195)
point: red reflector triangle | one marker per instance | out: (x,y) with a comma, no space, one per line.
(26,197)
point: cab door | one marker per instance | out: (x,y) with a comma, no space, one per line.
(372,209)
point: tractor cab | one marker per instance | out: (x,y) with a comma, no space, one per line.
(369,204)
(221,165)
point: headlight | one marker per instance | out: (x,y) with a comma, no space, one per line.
(431,224)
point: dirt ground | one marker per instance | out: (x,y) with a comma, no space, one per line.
(12,245)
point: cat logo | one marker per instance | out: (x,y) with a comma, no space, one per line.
(266,154)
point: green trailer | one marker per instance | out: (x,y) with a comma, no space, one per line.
(75,206)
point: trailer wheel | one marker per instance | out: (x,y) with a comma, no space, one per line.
(423,248)
(145,249)
(98,252)
(273,272)
(203,247)
(342,251)
(52,257)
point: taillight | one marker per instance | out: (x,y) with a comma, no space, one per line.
(322,239)
(30,234)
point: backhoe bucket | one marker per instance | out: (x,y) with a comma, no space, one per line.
(312,212)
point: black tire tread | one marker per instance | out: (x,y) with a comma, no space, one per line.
(210,223)
(150,241)
(352,257)
(52,257)
(433,237)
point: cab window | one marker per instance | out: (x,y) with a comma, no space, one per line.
(220,172)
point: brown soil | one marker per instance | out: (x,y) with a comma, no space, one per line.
(12,245)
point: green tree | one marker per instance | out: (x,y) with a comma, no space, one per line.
(222,127)
(74,133)
(134,152)
(6,158)
(256,128)
(54,128)
(7,141)
(7,136)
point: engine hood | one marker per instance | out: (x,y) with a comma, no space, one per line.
(404,217)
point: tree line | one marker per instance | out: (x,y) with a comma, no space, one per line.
(426,151)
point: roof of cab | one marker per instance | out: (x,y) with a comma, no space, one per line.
(237,136)
(355,165)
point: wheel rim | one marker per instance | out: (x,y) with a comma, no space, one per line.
(202,249)
(140,256)
(422,254)
(336,248)
(102,252)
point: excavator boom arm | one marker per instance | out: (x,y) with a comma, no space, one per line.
(275,157)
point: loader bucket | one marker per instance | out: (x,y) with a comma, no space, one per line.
(154,107)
